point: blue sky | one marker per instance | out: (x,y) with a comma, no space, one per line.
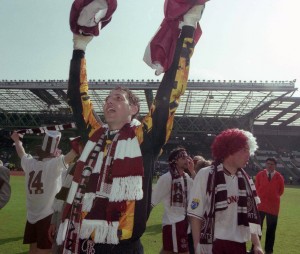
(242,40)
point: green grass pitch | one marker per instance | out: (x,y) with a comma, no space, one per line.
(13,218)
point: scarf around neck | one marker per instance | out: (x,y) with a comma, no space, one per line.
(178,190)
(216,193)
(106,176)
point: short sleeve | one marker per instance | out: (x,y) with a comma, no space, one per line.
(58,165)
(197,196)
(26,162)
(161,189)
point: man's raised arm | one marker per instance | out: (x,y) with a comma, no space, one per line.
(86,20)
(161,116)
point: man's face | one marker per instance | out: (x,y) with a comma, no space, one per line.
(241,157)
(117,109)
(182,161)
(270,165)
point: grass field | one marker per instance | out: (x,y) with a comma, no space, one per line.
(13,218)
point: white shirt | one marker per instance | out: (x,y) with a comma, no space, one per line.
(226,226)
(43,181)
(162,192)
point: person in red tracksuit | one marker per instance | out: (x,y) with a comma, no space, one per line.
(269,186)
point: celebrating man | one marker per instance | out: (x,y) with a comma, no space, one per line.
(109,200)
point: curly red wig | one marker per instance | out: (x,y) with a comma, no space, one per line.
(231,141)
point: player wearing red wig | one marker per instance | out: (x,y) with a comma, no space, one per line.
(223,201)
(231,141)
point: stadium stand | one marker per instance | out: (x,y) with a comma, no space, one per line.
(266,108)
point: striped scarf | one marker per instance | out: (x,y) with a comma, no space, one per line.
(106,176)
(178,190)
(216,193)
(58,127)
(62,195)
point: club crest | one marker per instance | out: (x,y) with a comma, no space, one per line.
(195,203)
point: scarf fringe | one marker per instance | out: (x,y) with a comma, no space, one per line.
(88,226)
(61,234)
(255,229)
(87,201)
(104,232)
(126,188)
(257,200)
(112,237)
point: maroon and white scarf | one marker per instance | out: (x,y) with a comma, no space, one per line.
(160,51)
(178,190)
(88,16)
(38,130)
(216,198)
(103,181)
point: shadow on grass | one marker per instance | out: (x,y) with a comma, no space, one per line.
(153,229)
(12,239)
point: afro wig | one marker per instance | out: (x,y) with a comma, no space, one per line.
(231,141)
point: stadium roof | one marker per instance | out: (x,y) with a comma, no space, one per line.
(267,103)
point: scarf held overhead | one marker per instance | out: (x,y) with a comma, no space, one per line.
(106,176)
(87,17)
(160,51)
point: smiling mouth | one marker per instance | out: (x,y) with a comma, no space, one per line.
(111,110)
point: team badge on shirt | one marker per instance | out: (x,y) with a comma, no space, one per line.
(195,203)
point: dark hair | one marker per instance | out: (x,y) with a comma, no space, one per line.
(272,159)
(174,154)
(133,99)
